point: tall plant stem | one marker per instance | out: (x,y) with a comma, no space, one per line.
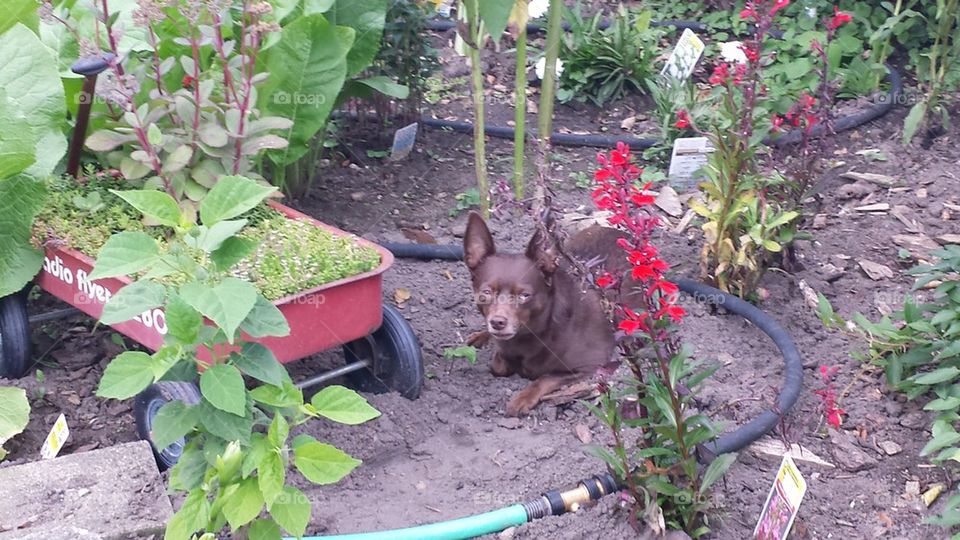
(479,143)
(547,96)
(520,114)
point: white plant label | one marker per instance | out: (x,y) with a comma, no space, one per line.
(55,439)
(690,154)
(782,504)
(403,141)
(684,56)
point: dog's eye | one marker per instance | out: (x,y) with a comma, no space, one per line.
(485,296)
(524,296)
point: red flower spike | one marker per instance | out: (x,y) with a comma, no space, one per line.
(839,19)
(721,73)
(780,4)
(683,120)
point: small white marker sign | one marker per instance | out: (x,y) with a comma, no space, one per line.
(55,439)
(782,504)
(403,141)
(690,154)
(684,57)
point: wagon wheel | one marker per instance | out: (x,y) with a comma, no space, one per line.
(396,363)
(14,337)
(145,407)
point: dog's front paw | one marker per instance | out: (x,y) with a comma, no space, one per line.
(478,339)
(522,403)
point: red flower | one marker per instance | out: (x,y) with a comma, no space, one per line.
(605,280)
(683,120)
(751,51)
(839,19)
(776,122)
(749,12)
(188,82)
(739,73)
(834,418)
(780,4)
(676,313)
(721,72)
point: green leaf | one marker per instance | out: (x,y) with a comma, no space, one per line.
(278,431)
(183,322)
(232,251)
(309,60)
(126,375)
(259,446)
(259,362)
(385,86)
(943,404)
(20,200)
(230,197)
(287,396)
(125,253)
(322,463)
(265,319)
(468,352)
(17,141)
(913,120)
(718,467)
(343,405)
(154,136)
(263,529)
(211,238)
(14,412)
(222,385)
(18,11)
(271,476)
(936,376)
(132,300)
(174,420)
(192,516)
(495,14)
(154,204)
(226,304)
(28,74)
(366,18)
(243,504)
(227,426)
(939,442)
(189,471)
(291,509)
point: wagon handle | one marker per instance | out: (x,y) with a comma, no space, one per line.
(89,67)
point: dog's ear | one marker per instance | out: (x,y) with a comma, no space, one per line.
(477,241)
(545,257)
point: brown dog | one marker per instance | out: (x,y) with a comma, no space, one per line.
(544,326)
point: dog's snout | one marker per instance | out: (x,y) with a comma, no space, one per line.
(498,323)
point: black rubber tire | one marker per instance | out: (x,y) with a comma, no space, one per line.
(145,407)
(399,365)
(14,337)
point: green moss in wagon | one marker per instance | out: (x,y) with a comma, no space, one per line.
(293,254)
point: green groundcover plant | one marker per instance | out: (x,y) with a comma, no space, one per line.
(233,469)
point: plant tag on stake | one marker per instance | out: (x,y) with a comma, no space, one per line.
(55,439)
(690,154)
(403,141)
(782,504)
(684,56)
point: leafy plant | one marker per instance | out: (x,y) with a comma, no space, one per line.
(919,349)
(669,96)
(604,65)
(660,470)
(467,352)
(465,201)
(16,414)
(936,69)
(238,449)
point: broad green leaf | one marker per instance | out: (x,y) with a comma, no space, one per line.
(14,412)
(232,251)
(192,516)
(385,86)
(939,442)
(126,375)
(226,304)
(125,253)
(106,140)
(230,197)
(265,319)
(271,476)
(19,11)
(263,529)
(343,405)
(183,322)
(20,200)
(322,463)
(291,509)
(222,385)
(28,74)
(282,397)
(154,136)
(188,473)
(310,60)
(259,446)
(227,426)
(316,6)
(494,14)
(174,420)
(937,376)
(17,141)
(278,431)
(243,504)
(258,362)
(366,18)
(152,203)
(718,467)
(132,300)
(211,238)
(943,404)
(913,121)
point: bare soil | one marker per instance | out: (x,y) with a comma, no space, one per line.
(453,453)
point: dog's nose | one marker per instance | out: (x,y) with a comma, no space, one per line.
(498,323)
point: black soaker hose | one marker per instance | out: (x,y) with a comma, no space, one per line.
(743,435)
(438,25)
